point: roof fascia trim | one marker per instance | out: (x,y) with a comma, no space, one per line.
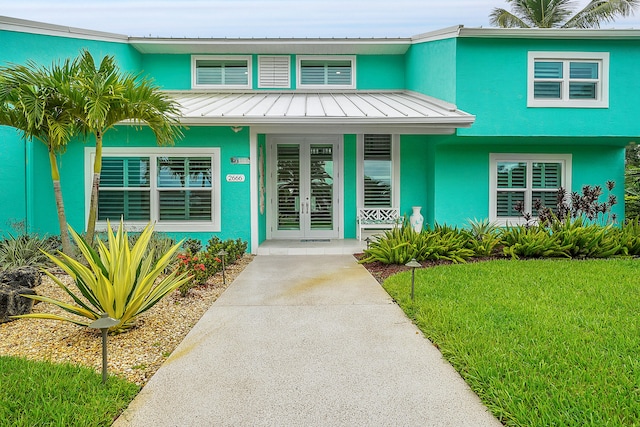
(34,27)
(550,33)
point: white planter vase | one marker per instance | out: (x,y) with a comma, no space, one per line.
(416,219)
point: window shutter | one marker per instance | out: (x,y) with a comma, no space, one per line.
(512,175)
(116,198)
(506,202)
(176,175)
(546,175)
(377,171)
(274,72)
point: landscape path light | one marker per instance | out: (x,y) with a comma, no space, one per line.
(413,264)
(104,323)
(368,240)
(222,253)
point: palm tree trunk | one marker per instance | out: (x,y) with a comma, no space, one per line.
(62,217)
(95,186)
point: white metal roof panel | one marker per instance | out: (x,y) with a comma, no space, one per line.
(318,108)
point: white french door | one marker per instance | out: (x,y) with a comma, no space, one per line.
(304,187)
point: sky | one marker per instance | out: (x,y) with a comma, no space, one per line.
(265,18)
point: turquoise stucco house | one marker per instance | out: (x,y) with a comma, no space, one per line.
(288,138)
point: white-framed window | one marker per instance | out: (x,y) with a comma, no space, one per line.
(274,71)
(522,179)
(178,189)
(326,72)
(379,172)
(568,79)
(214,71)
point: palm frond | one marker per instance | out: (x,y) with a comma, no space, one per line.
(599,11)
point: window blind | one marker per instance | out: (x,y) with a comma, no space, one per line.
(377,171)
(319,72)
(222,72)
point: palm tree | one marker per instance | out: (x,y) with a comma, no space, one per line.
(30,101)
(103,97)
(560,13)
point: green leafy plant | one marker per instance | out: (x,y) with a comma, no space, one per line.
(485,237)
(204,264)
(193,246)
(525,241)
(118,280)
(586,240)
(400,245)
(199,266)
(26,250)
(628,236)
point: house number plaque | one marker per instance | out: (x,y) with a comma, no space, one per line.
(235,177)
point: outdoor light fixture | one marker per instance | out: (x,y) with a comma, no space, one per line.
(104,323)
(413,264)
(222,254)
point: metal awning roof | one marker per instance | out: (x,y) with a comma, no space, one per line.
(370,109)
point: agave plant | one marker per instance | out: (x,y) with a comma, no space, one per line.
(118,280)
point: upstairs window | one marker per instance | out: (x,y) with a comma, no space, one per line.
(233,72)
(326,72)
(568,79)
(521,179)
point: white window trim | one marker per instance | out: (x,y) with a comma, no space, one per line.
(395,170)
(351,58)
(602,95)
(494,158)
(195,58)
(165,226)
(285,86)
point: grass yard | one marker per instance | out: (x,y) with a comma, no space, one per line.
(44,394)
(542,342)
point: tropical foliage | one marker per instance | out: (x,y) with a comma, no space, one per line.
(78,97)
(581,225)
(203,264)
(31,102)
(116,279)
(102,97)
(560,13)
(632,181)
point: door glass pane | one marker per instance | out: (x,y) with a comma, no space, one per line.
(288,187)
(321,181)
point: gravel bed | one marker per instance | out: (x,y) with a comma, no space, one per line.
(136,354)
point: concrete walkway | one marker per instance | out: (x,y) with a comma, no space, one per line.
(305,341)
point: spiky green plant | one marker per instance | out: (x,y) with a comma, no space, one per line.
(118,280)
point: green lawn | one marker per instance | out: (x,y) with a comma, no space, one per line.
(542,342)
(43,394)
